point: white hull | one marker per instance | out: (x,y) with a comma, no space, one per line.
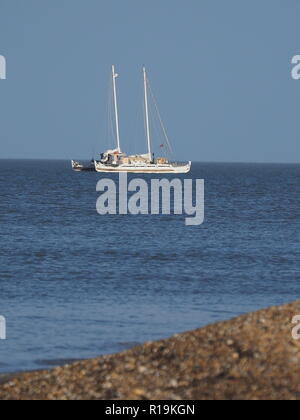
(145,169)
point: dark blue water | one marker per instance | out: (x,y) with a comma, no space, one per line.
(74,284)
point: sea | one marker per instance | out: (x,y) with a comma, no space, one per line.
(75,284)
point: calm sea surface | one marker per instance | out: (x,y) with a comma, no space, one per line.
(74,284)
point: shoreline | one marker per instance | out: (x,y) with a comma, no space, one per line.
(252,356)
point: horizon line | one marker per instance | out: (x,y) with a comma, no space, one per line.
(195,161)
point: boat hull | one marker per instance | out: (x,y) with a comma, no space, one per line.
(144,169)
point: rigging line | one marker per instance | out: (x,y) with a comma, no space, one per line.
(153,122)
(160,118)
(107,127)
(156,134)
(133,125)
(101,127)
(137,134)
(106,122)
(159,135)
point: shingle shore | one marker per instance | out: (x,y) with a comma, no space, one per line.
(250,357)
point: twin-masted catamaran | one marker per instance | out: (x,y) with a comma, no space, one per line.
(115,160)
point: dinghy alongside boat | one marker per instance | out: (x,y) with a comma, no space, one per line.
(80,167)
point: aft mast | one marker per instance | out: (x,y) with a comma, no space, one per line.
(147,114)
(114,76)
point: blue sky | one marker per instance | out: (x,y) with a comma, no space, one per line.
(220,69)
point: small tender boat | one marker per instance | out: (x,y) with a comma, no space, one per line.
(79,167)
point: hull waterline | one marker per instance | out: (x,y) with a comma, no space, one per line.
(167,169)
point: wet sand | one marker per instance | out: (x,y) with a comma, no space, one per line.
(250,357)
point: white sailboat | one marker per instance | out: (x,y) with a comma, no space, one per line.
(117,161)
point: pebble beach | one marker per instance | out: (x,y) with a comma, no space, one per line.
(250,357)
